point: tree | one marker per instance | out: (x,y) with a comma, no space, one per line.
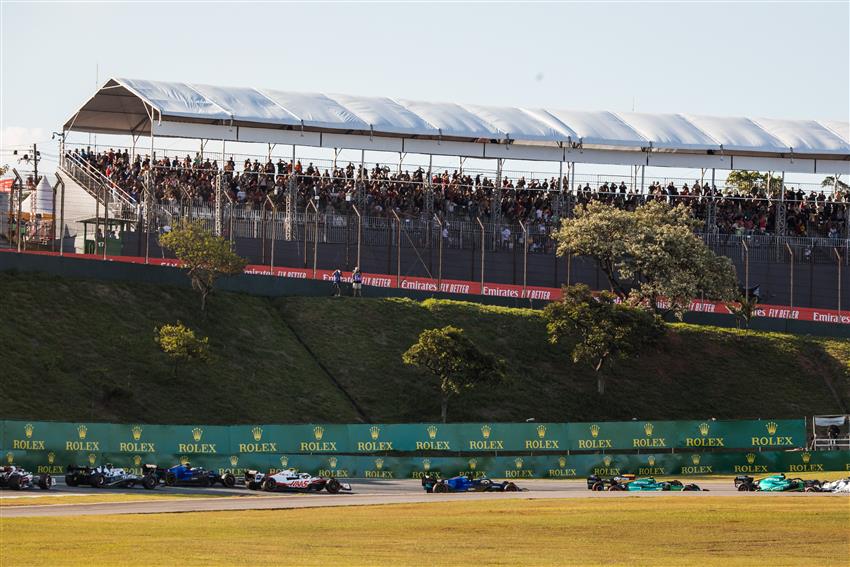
(599,329)
(829,182)
(454,361)
(749,181)
(205,256)
(180,343)
(650,256)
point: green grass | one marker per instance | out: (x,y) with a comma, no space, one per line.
(83,350)
(657,531)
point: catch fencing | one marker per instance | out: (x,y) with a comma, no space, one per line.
(511,450)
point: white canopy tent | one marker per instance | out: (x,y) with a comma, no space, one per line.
(140,107)
(40,201)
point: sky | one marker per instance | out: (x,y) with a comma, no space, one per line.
(778,60)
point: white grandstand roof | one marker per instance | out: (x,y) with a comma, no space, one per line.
(133,106)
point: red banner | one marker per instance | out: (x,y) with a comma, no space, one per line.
(462,287)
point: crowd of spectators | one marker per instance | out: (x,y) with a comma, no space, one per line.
(458,195)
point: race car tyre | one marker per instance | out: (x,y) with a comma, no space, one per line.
(45,481)
(170,479)
(98,481)
(441,488)
(486,484)
(745,488)
(149,482)
(811,489)
(228,480)
(691,487)
(616,488)
(70,480)
(269,485)
(333,486)
(597,486)
(511,487)
(15,482)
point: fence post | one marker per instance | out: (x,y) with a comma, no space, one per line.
(274,214)
(359,231)
(791,254)
(524,257)
(482,251)
(440,255)
(398,248)
(838,265)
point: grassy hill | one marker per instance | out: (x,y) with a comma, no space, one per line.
(82,350)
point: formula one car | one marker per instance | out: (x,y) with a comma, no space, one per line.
(292,481)
(187,475)
(842,485)
(17,478)
(630,483)
(107,476)
(435,484)
(776,483)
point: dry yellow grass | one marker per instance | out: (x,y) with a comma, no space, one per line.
(48,499)
(658,531)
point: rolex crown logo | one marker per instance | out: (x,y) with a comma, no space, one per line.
(318,432)
(51,456)
(374,432)
(332,462)
(704,429)
(594,430)
(518,462)
(284,461)
(806,457)
(607,460)
(82,430)
(137,432)
(197,433)
(771,427)
(647,428)
(28,430)
(234,460)
(651,461)
(432,431)
(257,433)
(137,460)
(751,458)
(379,463)
(485,431)
(541,431)
(10,457)
(184,460)
(562,462)
(426,464)
(472,464)
(695,459)
(92,458)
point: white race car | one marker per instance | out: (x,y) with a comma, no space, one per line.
(842,486)
(292,481)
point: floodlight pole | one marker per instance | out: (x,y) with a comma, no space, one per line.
(359,231)
(310,203)
(524,257)
(482,251)
(440,255)
(791,254)
(838,266)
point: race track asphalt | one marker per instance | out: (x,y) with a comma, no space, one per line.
(364,492)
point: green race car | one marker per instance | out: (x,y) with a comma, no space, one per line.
(776,483)
(630,483)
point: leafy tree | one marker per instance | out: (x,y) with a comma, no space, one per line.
(205,256)
(180,343)
(829,182)
(454,361)
(749,181)
(599,329)
(650,256)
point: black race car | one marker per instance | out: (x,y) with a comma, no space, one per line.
(107,476)
(187,475)
(16,478)
(432,483)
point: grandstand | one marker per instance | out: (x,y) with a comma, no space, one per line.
(461,224)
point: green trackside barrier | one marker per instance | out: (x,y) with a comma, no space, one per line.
(517,467)
(643,436)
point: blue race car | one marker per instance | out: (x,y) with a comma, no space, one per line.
(187,475)
(465,484)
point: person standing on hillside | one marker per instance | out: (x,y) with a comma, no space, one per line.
(356,282)
(337,279)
